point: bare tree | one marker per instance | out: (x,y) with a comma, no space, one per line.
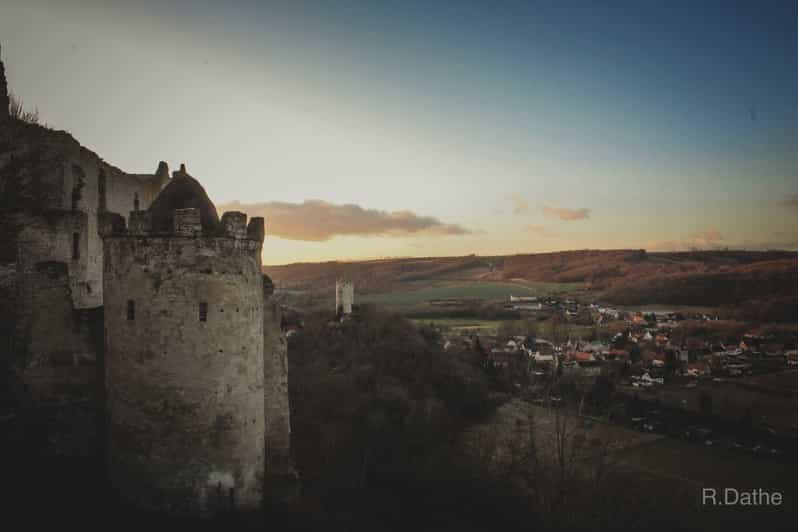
(16,109)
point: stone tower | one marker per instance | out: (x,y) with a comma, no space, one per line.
(184,339)
(344,297)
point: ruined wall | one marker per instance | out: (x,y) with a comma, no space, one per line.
(185,397)
(52,296)
(43,170)
(41,242)
(3,91)
(282,481)
(275,352)
(47,342)
(58,354)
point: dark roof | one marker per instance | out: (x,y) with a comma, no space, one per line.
(183,192)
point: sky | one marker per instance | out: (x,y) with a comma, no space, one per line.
(411,128)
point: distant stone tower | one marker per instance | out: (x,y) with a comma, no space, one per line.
(184,336)
(344,297)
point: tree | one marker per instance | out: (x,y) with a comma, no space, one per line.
(16,109)
(634,354)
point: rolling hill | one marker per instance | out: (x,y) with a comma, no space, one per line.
(745,279)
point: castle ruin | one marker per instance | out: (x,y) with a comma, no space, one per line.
(126,301)
(344,297)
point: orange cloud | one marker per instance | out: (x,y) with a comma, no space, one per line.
(521,205)
(317,220)
(569,215)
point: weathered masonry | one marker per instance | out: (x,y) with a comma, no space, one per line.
(125,295)
(184,355)
(53,195)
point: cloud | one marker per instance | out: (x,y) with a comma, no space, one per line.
(539,230)
(569,215)
(706,238)
(521,205)
(317,220)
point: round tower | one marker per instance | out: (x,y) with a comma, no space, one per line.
(184,355)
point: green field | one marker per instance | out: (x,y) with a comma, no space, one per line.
(686,309)
(422,292)
(412,299)
(461,325)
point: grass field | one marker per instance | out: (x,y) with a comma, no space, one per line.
(422,292)
(461,325)
(685,309)
(658,471)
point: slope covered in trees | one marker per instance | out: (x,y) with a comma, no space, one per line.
(708,278)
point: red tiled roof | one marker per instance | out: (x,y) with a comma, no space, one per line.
(581,356)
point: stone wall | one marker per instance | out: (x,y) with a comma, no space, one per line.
(58,352)
(3,90)
(47,341)
(275,352)
(282,482)
(43,170)
(50,191)
(344,297)
(185,397)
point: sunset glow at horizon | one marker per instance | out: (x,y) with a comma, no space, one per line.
(385,129)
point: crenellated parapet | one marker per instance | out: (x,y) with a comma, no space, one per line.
(256,230)
(234,224)
(186,223)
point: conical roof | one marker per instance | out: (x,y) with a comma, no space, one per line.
(183,192)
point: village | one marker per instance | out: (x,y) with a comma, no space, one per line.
(689,375)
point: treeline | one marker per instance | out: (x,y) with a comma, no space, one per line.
(389,432)
(765,291)
(377,408)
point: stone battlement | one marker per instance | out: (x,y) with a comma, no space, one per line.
(186,223)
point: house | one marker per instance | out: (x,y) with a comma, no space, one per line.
(697,369)
(503,357)
(581,356)
(597,348)
(648,378)
(618,354)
